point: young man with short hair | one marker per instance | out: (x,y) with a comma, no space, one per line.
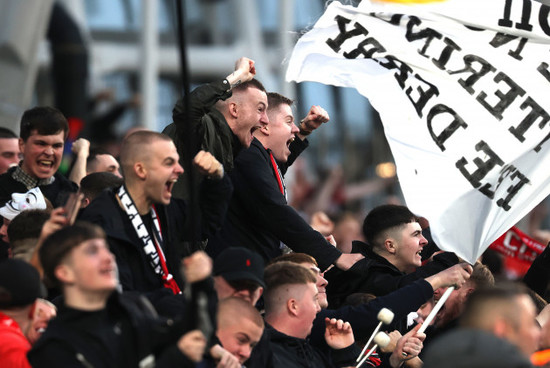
(145,225)
(220,118)
(96,325)
(240,327)
(363,317)
(291,305)
(259,217)
(392,257)
(498,328)
(42,138)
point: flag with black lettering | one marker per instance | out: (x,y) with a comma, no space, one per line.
(463,89)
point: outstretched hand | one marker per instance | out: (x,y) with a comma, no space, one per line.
(207,165)
(338,334)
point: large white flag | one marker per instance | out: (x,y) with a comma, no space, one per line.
(463,89)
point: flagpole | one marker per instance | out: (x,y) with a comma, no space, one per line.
(436,309)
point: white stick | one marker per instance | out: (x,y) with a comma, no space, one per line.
(436,309)
(367,356)
(370,340)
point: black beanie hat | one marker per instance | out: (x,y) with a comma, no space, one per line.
(20,284)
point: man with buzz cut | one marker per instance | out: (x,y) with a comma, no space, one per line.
(42,138)
(240,327)
(363,317)
(259,217)
(220,118)
(291,304)
(144,224)
(498,328)
(96,326)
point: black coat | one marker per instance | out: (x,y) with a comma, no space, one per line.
(206,129)
(122,335)
(259,217)
(278,350)
(135,271)
(380,277)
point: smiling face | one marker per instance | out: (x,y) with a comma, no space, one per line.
(250,110)
(90,268)
(282,131)
(162,171)
(409,242)
(9,153)
(42,154)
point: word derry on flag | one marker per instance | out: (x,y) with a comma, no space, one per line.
(462,88)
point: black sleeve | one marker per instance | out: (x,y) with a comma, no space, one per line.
(363,318)
(440,262)
(214,202)
(380,282)
(345,357)
(201,99)
(254,178)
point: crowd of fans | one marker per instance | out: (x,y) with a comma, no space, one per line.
(111,265)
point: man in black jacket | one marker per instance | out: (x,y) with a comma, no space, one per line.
(221,117)
(395,241)
(97,326)
(363,316)
(291,305)
(144,224)
(259,217)
(42,138)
